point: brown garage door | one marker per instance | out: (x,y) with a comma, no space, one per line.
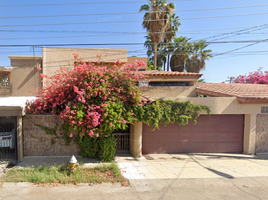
(211,134)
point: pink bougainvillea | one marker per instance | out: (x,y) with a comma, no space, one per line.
(257,77)
(91,99)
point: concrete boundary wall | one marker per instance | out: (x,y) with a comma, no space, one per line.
(262,133)
(36,142)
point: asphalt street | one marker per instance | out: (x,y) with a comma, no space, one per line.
(192,189)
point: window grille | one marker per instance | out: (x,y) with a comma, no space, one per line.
(169,83)
(5,80)
(264,109)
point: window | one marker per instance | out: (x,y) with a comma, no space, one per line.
(169,83)
(264,109)
(5,80)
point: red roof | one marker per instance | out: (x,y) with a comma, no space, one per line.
(166,73)
(250,93)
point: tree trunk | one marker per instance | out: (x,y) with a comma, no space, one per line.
(168,62)
(164,66)
(155,55)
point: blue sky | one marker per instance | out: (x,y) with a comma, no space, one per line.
(112,28)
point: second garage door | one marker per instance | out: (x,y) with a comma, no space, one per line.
(211,134)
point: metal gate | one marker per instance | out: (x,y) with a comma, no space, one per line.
(8,138)
(122,140)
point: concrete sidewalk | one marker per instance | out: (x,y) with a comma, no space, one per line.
(170,166)
(174,166)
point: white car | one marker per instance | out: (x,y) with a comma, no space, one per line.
(7,139)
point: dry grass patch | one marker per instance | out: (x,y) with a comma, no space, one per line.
(62,175)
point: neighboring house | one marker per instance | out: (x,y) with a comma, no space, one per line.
(18,84)
(5,86)
(238,122)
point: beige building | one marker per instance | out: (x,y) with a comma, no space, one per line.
(23,77)
(20,81)
(53,58)
(238,122)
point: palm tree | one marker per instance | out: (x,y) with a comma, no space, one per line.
(171,30)
(155,21)
(161,58)
(167,50)
(172,27)
(201,80)
(182,50)
(148,45)
(199,57)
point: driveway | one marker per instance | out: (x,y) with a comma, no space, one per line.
(197,166)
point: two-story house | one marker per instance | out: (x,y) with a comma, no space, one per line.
(238,122)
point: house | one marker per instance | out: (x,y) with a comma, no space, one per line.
(19,83)
(237,123)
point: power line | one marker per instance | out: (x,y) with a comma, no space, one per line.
(112,32)
(129,13)
(224,8)
(76,36)
(84,3)
(69,4)
(254,43)
(217,29)
(239,32)
(71,15)
(222,16)
(80,31)
(133,21)
(125,44)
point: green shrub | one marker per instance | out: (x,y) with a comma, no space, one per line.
(89,146)
(107,148)
(103,148)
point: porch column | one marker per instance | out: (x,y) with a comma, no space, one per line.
(136,139)
(19,138)
(250,133)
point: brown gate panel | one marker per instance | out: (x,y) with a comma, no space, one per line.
(211,134)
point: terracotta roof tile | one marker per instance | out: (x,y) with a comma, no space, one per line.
(166,73)
(242,91)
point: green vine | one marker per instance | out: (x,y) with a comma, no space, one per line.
(52,142)
(50,131)
(169,111)
(65,132)
(161,111)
